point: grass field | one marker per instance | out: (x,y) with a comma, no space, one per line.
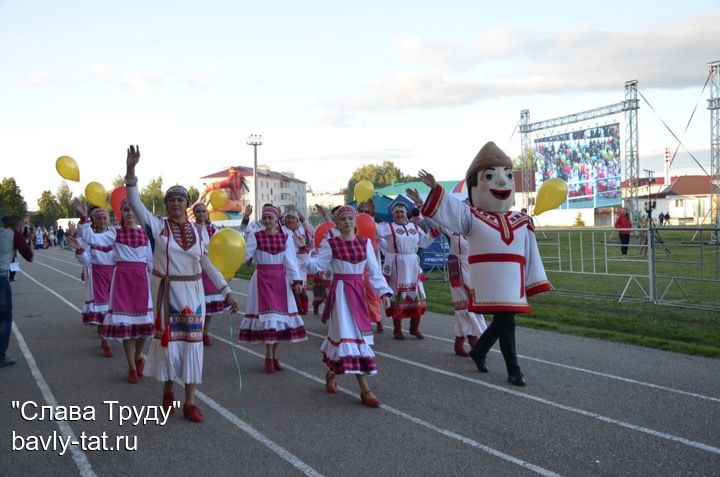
(569,258)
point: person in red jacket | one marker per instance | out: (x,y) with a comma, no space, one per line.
(623,224)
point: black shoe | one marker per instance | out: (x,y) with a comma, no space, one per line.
(517,379)
(7,362)
(479,362)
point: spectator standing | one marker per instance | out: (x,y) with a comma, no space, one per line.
(11,241)
(623,224)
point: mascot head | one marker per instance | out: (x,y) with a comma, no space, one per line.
(489,180)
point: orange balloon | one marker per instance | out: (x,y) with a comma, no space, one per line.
(116,197)
(365,225)
(321,230)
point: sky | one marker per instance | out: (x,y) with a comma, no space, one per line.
(332,85)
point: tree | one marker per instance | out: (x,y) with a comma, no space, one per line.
(117,182)
(381,175)
(64,200)
(48,210)
(11,199)
(193,195)
(153,197)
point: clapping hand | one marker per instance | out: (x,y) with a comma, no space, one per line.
(80,206)
(299,240)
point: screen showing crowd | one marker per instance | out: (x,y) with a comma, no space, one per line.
(588,160)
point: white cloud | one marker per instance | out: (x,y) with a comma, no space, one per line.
(505,62)
(141,81)
(195,77)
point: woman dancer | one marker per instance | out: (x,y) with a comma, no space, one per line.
(346,348)
(180,256)
(130,315)
(271,315)
(402,269)
(214,300)
(99,259)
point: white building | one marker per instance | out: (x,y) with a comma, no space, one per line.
(281,189)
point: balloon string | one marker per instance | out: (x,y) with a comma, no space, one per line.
(237,362)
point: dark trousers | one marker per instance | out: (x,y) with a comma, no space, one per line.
(502,328)
(624,241)
(5,313)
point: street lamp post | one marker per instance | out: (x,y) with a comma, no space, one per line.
(255,140)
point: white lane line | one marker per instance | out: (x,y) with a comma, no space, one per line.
(59,271)
(447,433)
(76,452)
(281,452)
(75,263)
(598,373)
(60,297)
(590,371)
(599,417)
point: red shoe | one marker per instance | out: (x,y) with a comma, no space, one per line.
(269,367)
(276,365)
(107,352)
(369,401)
(140,367)
(133,377)
(167,402)
(397,330)
(207,341)
(415,328)
(330,383)
(460,346)
(380,327)
(192,413)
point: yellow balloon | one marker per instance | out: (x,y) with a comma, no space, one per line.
(218,198)
(551,194)
(363,190)
(216,215)
(95,194)
(67,168)
(227,251)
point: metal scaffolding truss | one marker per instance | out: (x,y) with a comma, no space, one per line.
(632,159)
(714,107)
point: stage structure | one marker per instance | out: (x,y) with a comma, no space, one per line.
(584,150)
(714,107)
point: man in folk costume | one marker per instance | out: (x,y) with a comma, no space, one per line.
(400,241)
(505,264)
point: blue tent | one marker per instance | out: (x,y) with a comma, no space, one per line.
(382,207)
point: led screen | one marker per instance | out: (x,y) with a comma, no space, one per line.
(588,160)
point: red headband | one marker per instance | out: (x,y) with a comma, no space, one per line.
(98,210)
(272,211)
(198,204)
(344,210)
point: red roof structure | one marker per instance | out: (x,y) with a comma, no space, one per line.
(248,172)
(687,185)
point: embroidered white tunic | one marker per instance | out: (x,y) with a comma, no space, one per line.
(182,359)
(402,270)
(505,263)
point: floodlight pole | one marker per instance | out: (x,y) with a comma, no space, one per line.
(255,140)
(714,107)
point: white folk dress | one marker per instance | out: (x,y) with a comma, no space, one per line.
(98,257)
(271,315)
(402,270)
(130,312)
(467,323)
(503,256)
(347,346)
(180,256)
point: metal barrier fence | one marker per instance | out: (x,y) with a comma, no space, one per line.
(674,266)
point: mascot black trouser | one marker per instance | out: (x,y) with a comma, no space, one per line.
(501,329)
